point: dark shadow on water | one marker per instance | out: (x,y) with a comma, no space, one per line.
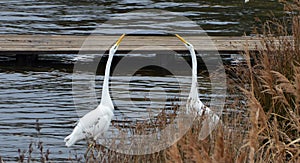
(58,63)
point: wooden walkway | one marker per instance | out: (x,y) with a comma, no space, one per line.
(69,44)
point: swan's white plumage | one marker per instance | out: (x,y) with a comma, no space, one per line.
(97,121)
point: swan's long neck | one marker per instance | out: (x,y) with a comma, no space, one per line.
(194,88)
(105,89)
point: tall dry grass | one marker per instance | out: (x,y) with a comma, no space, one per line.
(222,146)
(270,82)
(268,127)
(268,130)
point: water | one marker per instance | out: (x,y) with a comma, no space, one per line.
(231,17)
(45,92)
(47,96)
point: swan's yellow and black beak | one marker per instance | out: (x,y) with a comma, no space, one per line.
(182,39)
(119,40)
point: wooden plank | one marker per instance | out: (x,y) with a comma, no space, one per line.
(27,44)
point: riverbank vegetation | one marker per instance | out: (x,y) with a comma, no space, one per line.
(267,129)
(266,125)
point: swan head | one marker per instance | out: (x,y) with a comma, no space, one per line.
(114,48)
(187,44)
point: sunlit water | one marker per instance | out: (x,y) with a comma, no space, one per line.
(46,93)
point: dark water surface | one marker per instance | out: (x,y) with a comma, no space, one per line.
(230,17)
(44,93)
(48,96)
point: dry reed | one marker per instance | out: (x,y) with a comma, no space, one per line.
(268,127)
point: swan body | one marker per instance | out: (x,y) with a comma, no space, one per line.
(97,121)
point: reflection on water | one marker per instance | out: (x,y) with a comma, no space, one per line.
(231,17)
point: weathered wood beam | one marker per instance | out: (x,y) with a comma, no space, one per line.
(70,44)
